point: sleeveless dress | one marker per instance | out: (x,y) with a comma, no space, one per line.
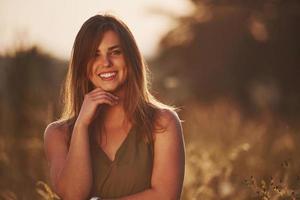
(128,174)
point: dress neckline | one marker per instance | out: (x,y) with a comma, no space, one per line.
(124,142)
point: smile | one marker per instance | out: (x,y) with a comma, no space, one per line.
(107,75)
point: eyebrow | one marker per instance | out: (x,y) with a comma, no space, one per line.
(111,48)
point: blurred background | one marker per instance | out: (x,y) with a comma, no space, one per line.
(232,66)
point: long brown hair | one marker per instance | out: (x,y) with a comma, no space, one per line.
(140,106)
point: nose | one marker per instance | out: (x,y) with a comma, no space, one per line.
(105,61)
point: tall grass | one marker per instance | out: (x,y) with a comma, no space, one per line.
(228,157)
(225,148)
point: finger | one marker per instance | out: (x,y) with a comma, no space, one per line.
(103,96)
(105,93)
(100,101)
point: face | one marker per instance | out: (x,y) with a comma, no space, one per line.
(109,70)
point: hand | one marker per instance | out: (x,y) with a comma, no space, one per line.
(90,104)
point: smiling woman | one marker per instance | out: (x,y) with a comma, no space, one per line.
(114,139)
(108,69)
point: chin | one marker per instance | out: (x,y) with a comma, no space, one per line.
(107,89)
(114,89)
(111,88)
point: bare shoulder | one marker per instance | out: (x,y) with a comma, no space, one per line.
(167,119)
(57,130)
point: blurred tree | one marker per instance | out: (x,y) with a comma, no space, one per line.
(226,60)
(244,50)
(29,90)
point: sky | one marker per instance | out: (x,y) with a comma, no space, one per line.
(53,24)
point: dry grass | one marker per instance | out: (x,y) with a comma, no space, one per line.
(229,157)
(223,149)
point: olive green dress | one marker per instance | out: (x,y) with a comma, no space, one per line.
(129,173)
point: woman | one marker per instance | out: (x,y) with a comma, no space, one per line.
(114,140)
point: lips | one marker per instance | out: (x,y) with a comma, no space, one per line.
(108,75)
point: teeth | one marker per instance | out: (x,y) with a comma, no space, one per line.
(107,75)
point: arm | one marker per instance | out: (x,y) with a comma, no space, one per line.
(169,162)
(70,170)
(70,167)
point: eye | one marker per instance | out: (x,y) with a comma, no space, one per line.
(116,52)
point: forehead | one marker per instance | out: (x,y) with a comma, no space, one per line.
(109,39)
